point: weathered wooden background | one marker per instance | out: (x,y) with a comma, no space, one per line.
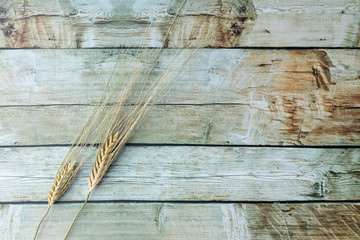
(258,139)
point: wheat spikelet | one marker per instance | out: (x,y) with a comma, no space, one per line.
(115,126)
(64,177)
(123,122)
(102,159)
(94,129)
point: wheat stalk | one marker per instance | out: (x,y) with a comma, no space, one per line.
(116,126)
(64,177)
(74,159)
(110,149)
(120,124)
(94,129)
(124,123)
(79,152)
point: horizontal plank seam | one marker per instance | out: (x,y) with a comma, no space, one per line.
(162,104)
(92,105)
(190,202)
(242,47)
(193,145)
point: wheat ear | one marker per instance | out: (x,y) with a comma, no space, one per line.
(123,127)
(62,181)
(64,177)
(105,156)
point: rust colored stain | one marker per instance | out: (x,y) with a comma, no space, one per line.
(321,70)
(304,104)
(324,58)
(290,112)
(297,71)
(322,79)
(307,117)
(220,29)
(40,32)
(16,32)
(325,221)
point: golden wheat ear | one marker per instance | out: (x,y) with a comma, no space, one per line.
(123,123)
(64,177)
(105,156)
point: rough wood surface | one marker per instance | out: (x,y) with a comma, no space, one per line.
(191,173)
(280,97)
(242,76)
(86,24)
(185,221)
(222,96)
(184,124)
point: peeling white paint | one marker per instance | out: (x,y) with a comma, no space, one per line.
(10,221)
(234,221)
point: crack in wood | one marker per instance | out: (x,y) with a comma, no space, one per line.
(357,38)
(322,81)
(159,217)
(321,70)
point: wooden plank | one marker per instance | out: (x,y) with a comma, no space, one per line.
(87,24)
(284,97)
(191,173)
(242,76)
(189,124)
(185,221)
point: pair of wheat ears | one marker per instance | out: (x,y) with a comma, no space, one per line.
(114,123)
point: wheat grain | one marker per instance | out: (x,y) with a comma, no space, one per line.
(103,157)
(62,181)
(113,126)
(64,177)
(123,123)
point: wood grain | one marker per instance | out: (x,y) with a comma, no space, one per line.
(191,173)
(222,96)
(241,76)
(185,221)
(184,124)
(255,23)
(278,97)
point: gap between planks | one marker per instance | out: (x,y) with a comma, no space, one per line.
(194,145)
(172,48)
(239,23)
(188,202)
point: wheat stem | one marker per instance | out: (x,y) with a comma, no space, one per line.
(37,229)
(121,122)
(72,223)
